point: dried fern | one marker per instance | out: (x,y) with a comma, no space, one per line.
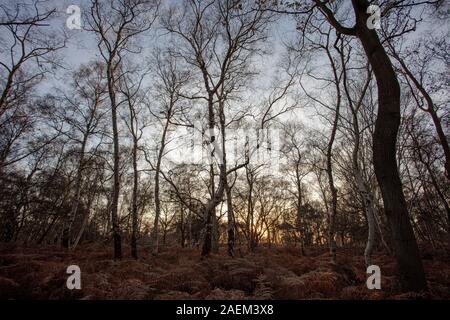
(263,290)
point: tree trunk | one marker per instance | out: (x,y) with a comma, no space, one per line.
(431,109)
(85,221)
(300,227)
(66,239)
(80,233)
(206,248)
(333,212)
(364,192)
(216,194)
(230,221)
(116,184)
(434,181)
(250,217)
(370,213)
(210,207)
(182,228)
(134,207)
(412,276)
(215,232)
(155,233)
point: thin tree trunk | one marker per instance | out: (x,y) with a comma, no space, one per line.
(433,179)
(431,109)
(155,234)
(182,227)
(300,226)
(66,240)
(370,213)
(366,195)
(230,221)
(116,183)
(250,217)
(332,214)
(380,232)
(84,224)
(134,207)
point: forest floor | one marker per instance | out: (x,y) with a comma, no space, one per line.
(269,273)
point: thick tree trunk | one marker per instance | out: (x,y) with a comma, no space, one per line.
(410,267)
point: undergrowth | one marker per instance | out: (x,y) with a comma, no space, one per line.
(269,273)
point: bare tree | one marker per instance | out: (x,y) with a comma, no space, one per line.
(355,104)
(170,81)
(417,81)
(28,54)
(412,275)
(82,112)
(116,25)
(131,88)
(220,38)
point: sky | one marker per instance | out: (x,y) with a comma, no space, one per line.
(81,48)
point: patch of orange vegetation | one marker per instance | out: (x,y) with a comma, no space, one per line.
(269,273)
